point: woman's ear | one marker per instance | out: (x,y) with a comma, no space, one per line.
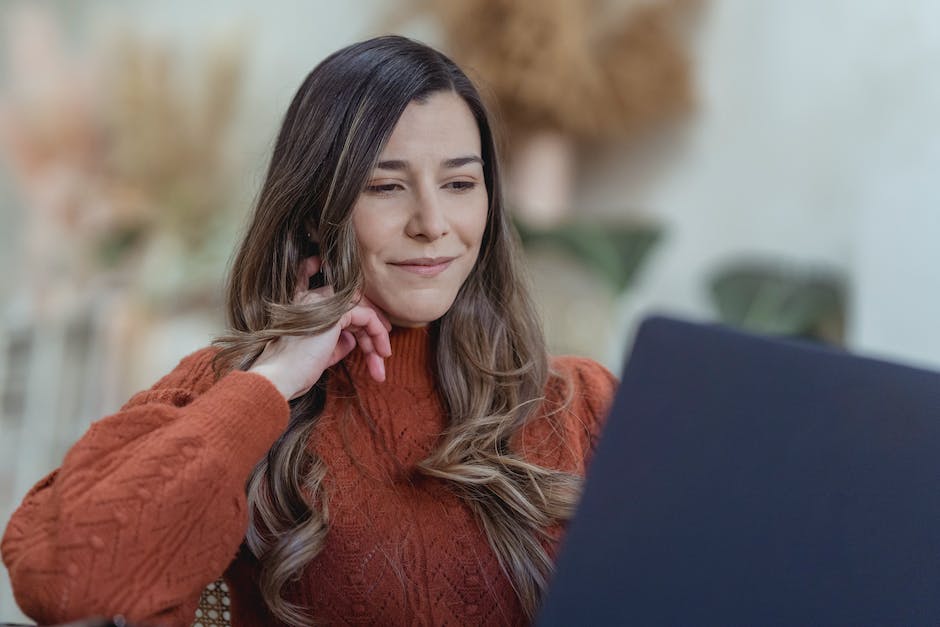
(311,243)
(311,248)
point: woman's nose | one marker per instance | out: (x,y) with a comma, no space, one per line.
(427,220)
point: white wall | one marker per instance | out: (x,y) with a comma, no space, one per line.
(897,253)
(815,140)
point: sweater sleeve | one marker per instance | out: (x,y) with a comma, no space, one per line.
(148,507)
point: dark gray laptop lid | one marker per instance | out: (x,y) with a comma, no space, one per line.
(742,480)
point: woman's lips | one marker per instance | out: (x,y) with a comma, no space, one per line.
(425,266)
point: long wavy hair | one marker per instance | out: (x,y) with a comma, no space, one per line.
(492,365)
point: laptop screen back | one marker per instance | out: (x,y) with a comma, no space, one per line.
(748,481)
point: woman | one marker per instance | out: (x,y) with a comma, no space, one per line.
(418,451)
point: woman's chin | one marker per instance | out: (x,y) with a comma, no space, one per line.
(413,308)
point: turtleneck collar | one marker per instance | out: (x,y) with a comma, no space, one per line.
(411,364)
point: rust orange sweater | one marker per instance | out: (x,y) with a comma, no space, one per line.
(149,506)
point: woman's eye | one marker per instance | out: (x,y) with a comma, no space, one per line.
(383,188)
(461,186)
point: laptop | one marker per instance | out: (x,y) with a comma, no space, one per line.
(742,480)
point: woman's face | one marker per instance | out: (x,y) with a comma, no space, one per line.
(420,219)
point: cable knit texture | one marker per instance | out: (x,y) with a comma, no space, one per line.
(148,508)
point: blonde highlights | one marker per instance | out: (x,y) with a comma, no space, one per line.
(492,366)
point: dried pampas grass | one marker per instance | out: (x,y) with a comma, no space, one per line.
(586,68)
(116,151)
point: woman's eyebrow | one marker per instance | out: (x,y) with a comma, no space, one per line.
(460,161)
(456,162)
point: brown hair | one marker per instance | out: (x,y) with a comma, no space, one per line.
(492,365)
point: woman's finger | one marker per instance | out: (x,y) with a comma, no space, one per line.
(367,319)
(376,366)
(365,302)
(364,341)
(344,345)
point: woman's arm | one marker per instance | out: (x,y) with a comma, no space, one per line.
(148,506)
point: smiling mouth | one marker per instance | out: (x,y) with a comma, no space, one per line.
(424,266)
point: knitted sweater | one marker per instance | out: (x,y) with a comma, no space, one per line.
(149,505)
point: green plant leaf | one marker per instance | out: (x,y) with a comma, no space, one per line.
(768,298)
(614,252)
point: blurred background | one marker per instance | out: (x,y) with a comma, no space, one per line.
(772,165)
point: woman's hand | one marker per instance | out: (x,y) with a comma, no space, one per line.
(295,363)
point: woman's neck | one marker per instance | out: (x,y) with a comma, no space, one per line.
(410,365)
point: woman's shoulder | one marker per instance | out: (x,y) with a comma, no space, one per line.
(573,410)
(583,379)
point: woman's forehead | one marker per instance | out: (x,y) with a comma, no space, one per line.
(439,130)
